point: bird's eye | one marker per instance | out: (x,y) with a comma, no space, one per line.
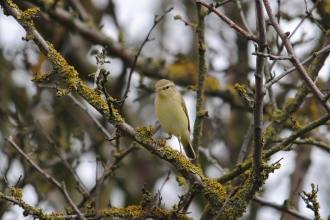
(167,87)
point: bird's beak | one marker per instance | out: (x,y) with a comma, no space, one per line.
(157,90)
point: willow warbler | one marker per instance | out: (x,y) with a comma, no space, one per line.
(172,114)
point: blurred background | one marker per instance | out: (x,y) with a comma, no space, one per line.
(29,111)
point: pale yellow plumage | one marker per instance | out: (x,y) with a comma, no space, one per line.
(172,114)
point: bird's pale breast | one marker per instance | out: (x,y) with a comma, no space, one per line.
(171,116)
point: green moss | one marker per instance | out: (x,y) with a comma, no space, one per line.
(144,134)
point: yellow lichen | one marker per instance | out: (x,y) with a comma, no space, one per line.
(71,77)
(215,194)
(177,17)
(62,92)
(241,89)
(183,70)
(144,134)
(211,84)
(181,180)
(25,17)
(17,193)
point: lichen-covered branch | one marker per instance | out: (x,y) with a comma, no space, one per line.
(60,186)
(202,70)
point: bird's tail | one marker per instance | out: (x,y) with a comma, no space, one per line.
(188,148)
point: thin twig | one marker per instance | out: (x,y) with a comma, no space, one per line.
(278,21)
(309,141)
(286,72)
(271,56)
(80,105)
(98,184)
(310,14)
(94,119)
(292,33)
(108,171)
(295,61)
(241,13)
(245,144)
(64,161)
(75,4)
(218,4)
(70,76)
(51,179)
(271,93)
(292,212)
(209,157)
(285,145)
(156,21)
(228,21)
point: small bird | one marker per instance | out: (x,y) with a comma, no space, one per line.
(172,114)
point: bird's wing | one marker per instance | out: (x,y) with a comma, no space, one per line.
(184,107)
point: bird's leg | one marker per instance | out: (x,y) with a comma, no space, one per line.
(169,136)
(179,139)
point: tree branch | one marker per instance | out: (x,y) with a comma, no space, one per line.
(70,76)
(259,95)
(281,208)
(51,179)
(228,21)
(295,61)
(202,70)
